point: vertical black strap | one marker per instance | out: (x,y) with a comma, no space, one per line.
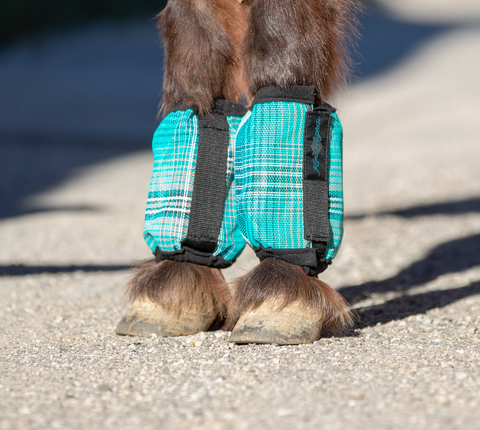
(316,147)
(209,188)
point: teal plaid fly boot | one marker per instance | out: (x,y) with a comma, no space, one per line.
(288,172)
(190,219)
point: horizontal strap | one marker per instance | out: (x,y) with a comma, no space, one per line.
(189,255)
(295,94)
(308,258)
(224,107)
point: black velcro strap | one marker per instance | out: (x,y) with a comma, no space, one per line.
(296,94)
(316,146)
(209,188)
(310,259)
(189,255)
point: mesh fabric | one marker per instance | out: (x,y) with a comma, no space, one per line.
(335,188)
(175,148)
(269,177)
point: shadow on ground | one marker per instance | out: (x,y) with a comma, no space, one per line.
(403,307)
(21,270)
(387,40)
(458,207)
(452,257)
(27,170)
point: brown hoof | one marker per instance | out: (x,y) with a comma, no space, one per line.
(293,324)
(145,317)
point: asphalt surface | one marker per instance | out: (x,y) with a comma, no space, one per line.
(72,195)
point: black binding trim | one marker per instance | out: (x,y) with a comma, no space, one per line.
(312,260)
(297,94)
(224,107)
(190,255)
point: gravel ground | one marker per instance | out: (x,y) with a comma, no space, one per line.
(410,266)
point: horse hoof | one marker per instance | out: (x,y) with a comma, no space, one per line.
(292,325)
(145,317)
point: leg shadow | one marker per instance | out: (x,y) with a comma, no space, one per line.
(27,170)
(21,270)
(459,207)
(406,306)
(451,257)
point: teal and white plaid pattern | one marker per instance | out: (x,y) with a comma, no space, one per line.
(230,241)
(169,201)
(269,177)
(170,195)
(335,187)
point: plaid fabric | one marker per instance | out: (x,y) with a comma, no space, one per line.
(169,201)
(230,241)
(269,177)
(335,187)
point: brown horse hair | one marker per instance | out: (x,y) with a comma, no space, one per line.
(300,42)
(178,287)
(285,283)
(202,47)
